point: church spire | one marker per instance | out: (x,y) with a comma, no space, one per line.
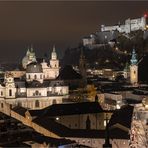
(134,69)
(53,48)
(82,68)
(28,52)
(31,48)
(134,58)
(54,54)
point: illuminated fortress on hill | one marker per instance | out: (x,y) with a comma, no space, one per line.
(130,25)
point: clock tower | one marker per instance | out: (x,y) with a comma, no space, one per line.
(134,68)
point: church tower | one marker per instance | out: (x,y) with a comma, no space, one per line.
(134,69)
(82,67)
(54,62)
(10,85)
(29,58)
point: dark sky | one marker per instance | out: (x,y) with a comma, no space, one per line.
(62,23)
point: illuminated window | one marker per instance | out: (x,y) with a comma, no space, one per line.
(104,122)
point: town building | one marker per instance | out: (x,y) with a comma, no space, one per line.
(47,122)
(50,68)
(35,86)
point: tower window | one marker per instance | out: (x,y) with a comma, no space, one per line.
(10,92)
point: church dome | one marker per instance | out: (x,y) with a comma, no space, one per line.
(34,68)
(25,62)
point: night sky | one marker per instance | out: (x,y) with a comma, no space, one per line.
(61,23)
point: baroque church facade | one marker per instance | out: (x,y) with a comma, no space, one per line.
(50,69)
(37,87)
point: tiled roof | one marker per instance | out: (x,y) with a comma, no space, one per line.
(68,73)
(122,116)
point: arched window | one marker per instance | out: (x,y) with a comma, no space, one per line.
(37,103)
(88,122)
(36,92)
(54,102)
(28,76)
(10,92)
(1,93)
(35,77)
(40,76)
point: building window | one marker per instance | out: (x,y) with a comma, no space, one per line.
(1,93)
(36,92)
(2,105)
(40,76)
(28,76)
(54,102)
(35,77)
(88,123)
(10,92)
(19,104)
(37,103)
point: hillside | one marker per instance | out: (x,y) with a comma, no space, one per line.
(106,56)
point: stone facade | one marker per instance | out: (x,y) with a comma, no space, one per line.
(130,25)
(32,95)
